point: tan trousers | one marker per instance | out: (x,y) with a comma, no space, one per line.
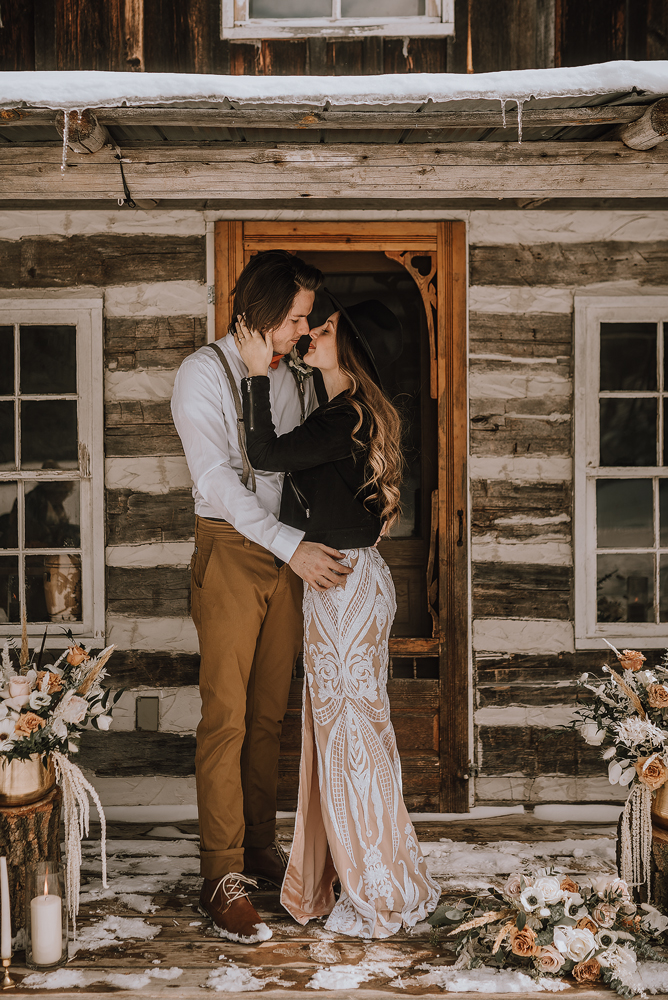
(248,615)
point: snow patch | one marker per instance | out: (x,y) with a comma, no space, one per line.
(232,979)
(506,856)
(485,981)
(64,979)
(349,977)
(111,931)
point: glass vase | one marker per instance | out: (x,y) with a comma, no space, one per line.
(46,916)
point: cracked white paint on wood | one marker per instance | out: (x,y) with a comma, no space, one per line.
(147,791)
(514,299)
(489,228)
(546,717)
(147,475)
(16,225)
(543,550)
(546,788)
(140,384)
(518,385)
(176,635)
(148,554)
(552,469)
(159,298)
(522,635)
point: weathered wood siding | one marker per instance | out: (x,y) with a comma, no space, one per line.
(183,36)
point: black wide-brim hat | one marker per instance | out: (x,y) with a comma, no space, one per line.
(377,331)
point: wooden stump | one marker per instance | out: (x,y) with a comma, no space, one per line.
(28,834)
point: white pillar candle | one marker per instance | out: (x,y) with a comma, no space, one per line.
(5,913)
(46,929)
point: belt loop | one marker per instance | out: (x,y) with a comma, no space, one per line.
(247,543)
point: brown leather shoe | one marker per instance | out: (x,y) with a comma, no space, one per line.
(268,863)
(234,917)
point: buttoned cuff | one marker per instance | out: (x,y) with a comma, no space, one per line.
(286,542)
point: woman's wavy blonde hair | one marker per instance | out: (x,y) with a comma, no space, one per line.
(385,461)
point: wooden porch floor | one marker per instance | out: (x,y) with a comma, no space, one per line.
(154,883)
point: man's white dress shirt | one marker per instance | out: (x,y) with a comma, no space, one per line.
(206,420)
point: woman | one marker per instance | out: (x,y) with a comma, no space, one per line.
(343,468)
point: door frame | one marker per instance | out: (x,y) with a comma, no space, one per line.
(446,307)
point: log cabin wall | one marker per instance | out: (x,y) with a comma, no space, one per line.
(183,36)
(525,267)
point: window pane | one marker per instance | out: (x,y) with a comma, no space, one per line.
(628,356)
(382,8)
(49,434)
(628,432)
(663,588)
(9,590)
(8,518)
(624,513)
(7,435)
(48,359)
(52,515)
(625,588)
(6,360)
(53,588)
(663,512)
(290,8)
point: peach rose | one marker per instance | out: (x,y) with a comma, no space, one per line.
(605,914)
(523,942)
(28,723)
(548,959)
(587,972)
(54,682)
(658,695)
(77,655)
(587,923)
(631,659)
(568,885)
(652,771)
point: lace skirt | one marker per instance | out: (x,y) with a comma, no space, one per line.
(351,818)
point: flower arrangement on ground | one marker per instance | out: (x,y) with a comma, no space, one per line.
(627,716)
(548,926)
(42,711)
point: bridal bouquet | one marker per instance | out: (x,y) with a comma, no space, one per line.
(44,711)
(627,716)
(548,926)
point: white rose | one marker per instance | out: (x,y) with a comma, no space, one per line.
(550,887)
(576,943)
(532,899)
(19,686)
(104,721)
(59,729)
(592,733)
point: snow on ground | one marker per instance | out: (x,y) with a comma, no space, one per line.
(483,981)
(111,931)
(449,860)
(232,979)
(143,848)
(67,979)
(92,89)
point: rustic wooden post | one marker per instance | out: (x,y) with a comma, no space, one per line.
(28,834)
(648,131)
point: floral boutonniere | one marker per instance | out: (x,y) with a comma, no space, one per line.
(300,370)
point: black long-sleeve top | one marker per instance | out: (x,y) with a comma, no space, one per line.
(323,492)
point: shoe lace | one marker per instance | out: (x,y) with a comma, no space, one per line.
(234,886)
(282,854)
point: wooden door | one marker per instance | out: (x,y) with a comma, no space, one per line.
(419,269)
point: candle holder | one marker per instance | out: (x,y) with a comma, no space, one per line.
(7,982)
(46,916)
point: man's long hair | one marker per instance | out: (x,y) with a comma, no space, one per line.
(384,458)
(267,287)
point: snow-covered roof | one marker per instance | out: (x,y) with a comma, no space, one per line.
(89,89)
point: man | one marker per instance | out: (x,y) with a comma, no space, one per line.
(246,592)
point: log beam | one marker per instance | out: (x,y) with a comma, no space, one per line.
(648,131)
(315,119)
(409,173)
(84,132)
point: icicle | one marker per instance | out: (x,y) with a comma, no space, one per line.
(503,110)
(76,811)
(636,838)
(66,134)
(520,105)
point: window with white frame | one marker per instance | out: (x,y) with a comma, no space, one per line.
(621,470)
(253,19)
(51,468)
